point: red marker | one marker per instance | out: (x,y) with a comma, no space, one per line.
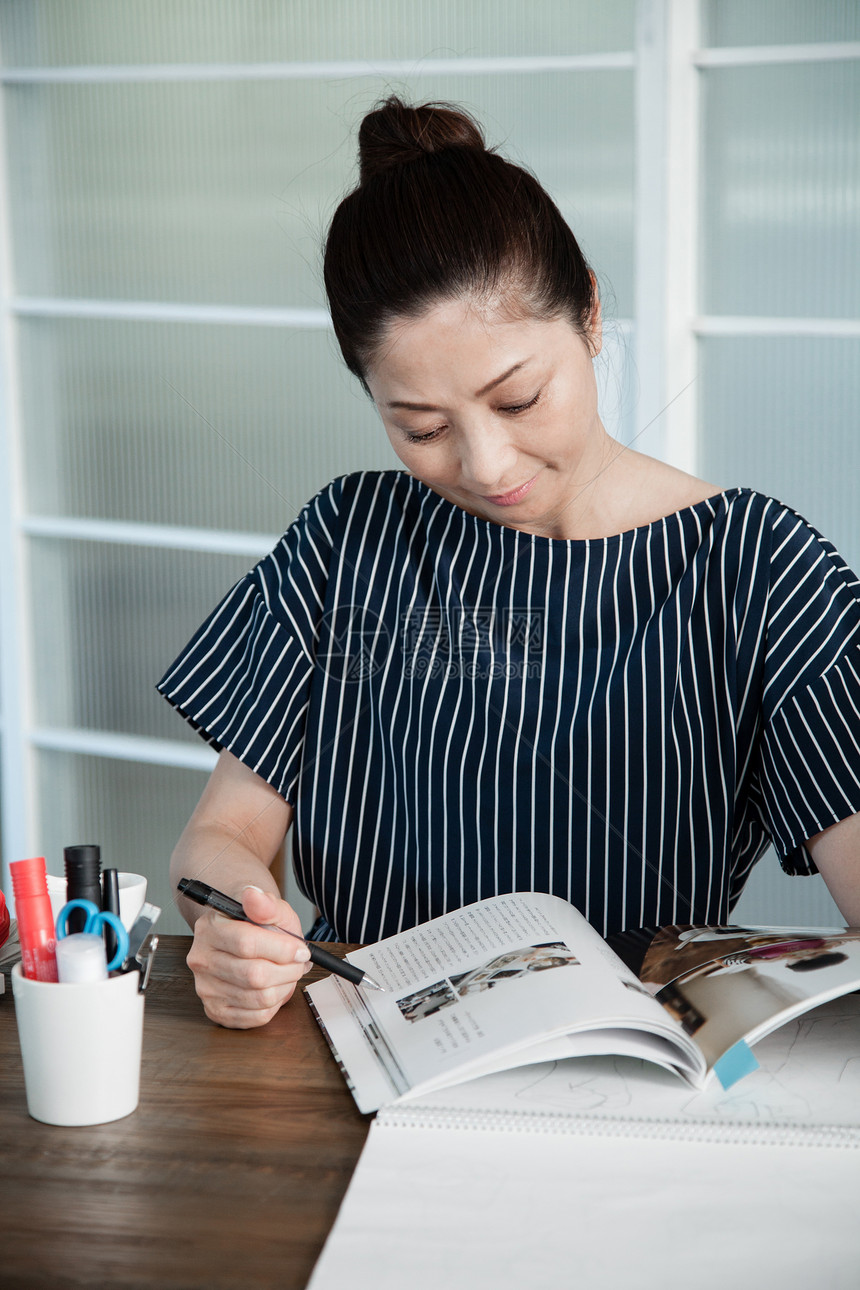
(35,920)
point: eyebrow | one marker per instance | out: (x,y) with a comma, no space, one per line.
(485,389)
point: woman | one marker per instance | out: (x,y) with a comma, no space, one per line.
(531,660)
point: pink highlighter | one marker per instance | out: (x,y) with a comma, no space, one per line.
(35,920)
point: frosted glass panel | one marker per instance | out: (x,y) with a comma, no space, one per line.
(176,31)
(220,193)
(110,620)
(781,197)
(775,898)
(134,812)
(780,415)
(780,22)
(223,427)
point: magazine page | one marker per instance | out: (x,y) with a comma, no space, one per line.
(725,984)
(807,1086)
(517,978)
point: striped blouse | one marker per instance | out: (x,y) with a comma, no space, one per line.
(455,708)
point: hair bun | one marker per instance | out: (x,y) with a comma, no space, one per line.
(395,134)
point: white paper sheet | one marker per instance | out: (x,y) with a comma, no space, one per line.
(524,1210)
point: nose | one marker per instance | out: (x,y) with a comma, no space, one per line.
(488,459)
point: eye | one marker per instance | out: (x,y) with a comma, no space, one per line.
(423,438)
(516,408)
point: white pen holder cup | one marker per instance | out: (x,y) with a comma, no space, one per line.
(132,894)
(81,1047)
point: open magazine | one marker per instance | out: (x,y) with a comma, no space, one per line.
(524,978)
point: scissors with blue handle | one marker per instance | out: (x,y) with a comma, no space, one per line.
(97,920)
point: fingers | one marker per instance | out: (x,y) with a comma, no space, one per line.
(245,941)
(263,907)
(238,1016)
(244,974)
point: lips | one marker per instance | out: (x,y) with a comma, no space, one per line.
(514,496)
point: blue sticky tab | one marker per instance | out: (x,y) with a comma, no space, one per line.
(735,1063)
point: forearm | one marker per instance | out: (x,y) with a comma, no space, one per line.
(243,971)
(213,853)
(836,852)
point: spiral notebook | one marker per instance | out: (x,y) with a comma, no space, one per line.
(606,1172)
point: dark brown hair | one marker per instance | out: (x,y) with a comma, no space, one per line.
(438,216)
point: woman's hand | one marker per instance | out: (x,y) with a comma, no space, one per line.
(242,973)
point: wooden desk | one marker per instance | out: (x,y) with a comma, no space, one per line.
(229,1174)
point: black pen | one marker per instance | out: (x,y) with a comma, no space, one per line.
(110,903)
(203,894)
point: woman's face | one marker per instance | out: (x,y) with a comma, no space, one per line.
(498,416)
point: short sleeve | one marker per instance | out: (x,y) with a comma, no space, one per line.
(810,750)
(243,681)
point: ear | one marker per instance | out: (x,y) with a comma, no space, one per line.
(594,334)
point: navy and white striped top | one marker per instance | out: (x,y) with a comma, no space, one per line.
(455,708)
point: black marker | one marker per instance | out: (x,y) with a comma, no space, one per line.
(203,894)
(83,880)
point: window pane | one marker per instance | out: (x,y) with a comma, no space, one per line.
(780,22)
(775,900)
(223,427)
(178,31)
(780,415)
(109,621)
(220,193)
(781,233)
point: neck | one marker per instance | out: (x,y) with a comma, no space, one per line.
(591,507)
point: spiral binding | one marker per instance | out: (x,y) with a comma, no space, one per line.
(545,1122)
